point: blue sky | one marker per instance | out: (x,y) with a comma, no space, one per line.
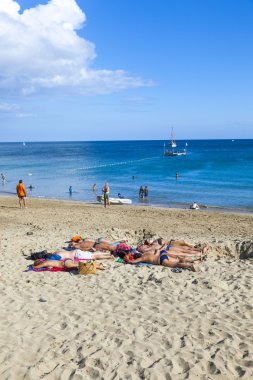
(112,70)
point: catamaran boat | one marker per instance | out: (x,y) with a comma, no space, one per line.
(115,201)
(172,144)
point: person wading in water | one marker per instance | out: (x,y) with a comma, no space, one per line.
(106,191)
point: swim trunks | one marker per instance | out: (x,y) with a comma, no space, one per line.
(163,256)
(82,255)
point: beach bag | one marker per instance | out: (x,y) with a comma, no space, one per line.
(87,267)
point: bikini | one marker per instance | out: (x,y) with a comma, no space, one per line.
(65,262)
(163,255)
(99,242)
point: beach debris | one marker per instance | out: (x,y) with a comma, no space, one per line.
(29,233)
(176,270)
(245,249)
(42,299)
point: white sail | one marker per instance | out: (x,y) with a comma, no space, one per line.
(170,152)
(172,141)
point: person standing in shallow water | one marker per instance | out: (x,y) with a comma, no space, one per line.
(21,192)
(146,191)
(3,178)
(177,175)
(141,192)
(94,187)
(106,191)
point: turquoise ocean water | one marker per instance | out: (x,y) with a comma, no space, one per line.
(214,172)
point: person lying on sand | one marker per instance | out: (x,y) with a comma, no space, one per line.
(97,245)
(66,264)
(187,253)
(174,248)
(78,254)
(159,257)
(151,244)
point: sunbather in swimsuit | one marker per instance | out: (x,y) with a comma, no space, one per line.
(66,264)
(78,254)
(176,248)
(160,258)
(160,243)
(98,245)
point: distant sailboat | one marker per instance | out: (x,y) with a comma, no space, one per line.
(173,144)
(172,141)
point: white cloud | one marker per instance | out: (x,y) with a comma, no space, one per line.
(7,107)
(22,115)
(14,110)
(40,49)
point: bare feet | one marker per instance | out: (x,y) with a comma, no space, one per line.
(101,266)
(205,248)
(195,267)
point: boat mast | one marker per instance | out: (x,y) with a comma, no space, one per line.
(172,141)
(172,136)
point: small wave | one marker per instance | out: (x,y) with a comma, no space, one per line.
(113,164)
(8,192)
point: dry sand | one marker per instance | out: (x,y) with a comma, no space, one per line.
(126,322)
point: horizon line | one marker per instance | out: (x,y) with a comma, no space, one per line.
(66,141)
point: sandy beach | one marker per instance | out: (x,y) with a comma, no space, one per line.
(125,322)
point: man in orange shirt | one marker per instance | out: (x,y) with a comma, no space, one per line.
(21,191)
